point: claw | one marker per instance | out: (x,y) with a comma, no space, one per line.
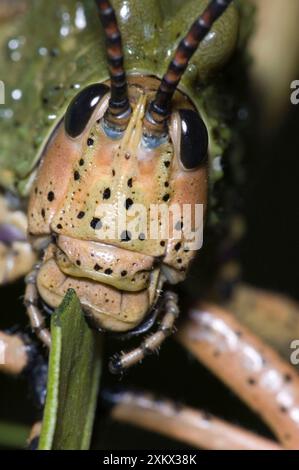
(115,364)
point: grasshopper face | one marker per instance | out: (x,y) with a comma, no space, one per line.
(88,176)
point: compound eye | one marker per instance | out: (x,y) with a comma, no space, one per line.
(81,108)
(194,139)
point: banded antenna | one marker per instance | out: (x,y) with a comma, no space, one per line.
(119,110)
(159,109)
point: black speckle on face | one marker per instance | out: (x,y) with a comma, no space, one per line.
(97,267)
(78,262)
(76,175)
(81,162)
(43,213)
(59,226)
(51,196)
(107,193)
(130,182)
(90,142)
(166,197)
(96,223)
(126,236)
(166,184)
(179,225)
(108,271)
(178,246)
(113,172)
(179,260)
(80,215)
(128,203)
(167,164)
(124,273)
(251,381)
(162,243)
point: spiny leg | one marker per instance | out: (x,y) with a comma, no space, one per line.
(16,253)
(249,367)
(151,344)
(194,427)
(37,320)
(273,317)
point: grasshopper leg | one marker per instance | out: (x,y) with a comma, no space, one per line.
(16,253)
(37,319)
(152,343)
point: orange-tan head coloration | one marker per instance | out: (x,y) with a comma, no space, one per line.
(117,276)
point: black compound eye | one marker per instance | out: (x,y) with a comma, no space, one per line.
(81,108)
(194,139)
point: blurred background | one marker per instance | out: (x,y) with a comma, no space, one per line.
(267,254)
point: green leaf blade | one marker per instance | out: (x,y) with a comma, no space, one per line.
(73,382)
